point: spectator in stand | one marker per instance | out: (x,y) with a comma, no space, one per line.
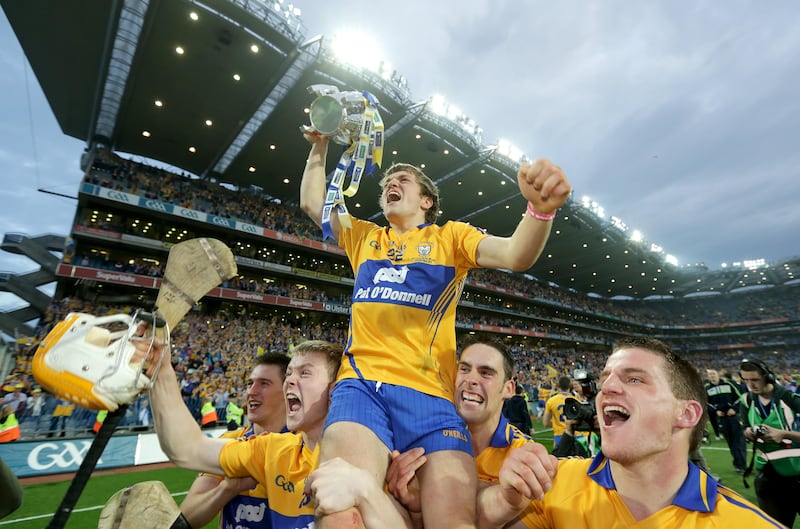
(9,425)
(144,413)
(36,408)
(17,399)
(61,415)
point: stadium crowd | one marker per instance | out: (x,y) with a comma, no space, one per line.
(213,347)
(251,206)
(211,353)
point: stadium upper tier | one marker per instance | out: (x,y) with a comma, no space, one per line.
(219,88)
(130,214)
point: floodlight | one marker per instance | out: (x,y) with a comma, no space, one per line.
(438,105)
(453,112)
(503,147)
(515,154)
(357,49)
(617,223)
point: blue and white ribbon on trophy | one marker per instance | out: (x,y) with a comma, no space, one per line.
(351,119)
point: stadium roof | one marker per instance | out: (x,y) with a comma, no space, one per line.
(218,88)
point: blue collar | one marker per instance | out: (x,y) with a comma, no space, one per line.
(697,493)
(504,434)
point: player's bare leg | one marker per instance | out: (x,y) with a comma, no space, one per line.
(448,488)
(357,445)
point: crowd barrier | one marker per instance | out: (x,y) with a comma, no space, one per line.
(51,456)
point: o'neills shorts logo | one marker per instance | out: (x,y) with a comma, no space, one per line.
(456,434)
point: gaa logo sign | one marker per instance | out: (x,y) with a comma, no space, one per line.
(61,456)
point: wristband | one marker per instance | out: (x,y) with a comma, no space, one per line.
(540,216)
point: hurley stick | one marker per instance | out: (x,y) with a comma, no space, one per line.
(193,268)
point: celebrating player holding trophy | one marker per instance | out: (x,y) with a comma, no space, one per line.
(395,386)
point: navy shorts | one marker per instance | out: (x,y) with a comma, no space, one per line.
(401,417)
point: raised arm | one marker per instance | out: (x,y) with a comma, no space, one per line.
(313,186)
(208,495)
(178,433)
(546,188)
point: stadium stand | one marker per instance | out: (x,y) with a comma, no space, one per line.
(290,289)
(591,286)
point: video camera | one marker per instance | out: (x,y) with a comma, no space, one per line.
(586,380)
(582,413)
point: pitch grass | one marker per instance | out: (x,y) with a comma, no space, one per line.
(43,499)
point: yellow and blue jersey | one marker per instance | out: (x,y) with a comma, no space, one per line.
(555,405)
(402,323)
(280,462)
(584,496)
(505,438)
(253,500)
(544,394)
(488,463)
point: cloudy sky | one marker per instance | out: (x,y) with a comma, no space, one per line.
(680,118)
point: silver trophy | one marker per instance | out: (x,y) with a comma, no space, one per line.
(351,119)
(338,115)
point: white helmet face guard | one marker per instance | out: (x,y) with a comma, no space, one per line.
(102,362)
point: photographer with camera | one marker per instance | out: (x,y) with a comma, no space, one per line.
(581,435)
(768,413)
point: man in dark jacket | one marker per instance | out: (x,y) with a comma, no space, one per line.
(516,411)
(723,399)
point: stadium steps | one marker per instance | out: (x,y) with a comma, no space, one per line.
(35,248)
(38,249)
(13,322)
(17,285)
